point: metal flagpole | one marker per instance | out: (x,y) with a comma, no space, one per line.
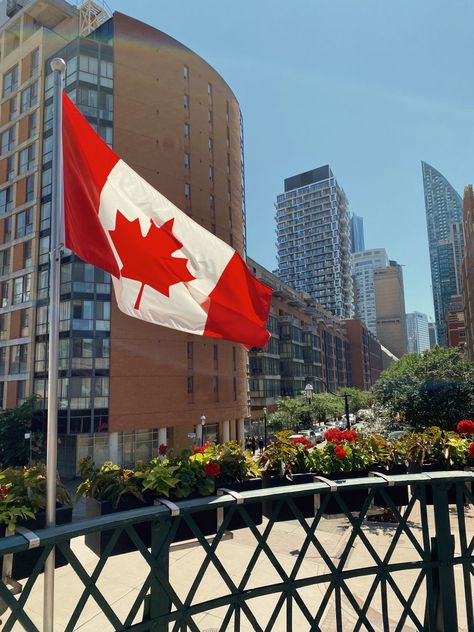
(58,66)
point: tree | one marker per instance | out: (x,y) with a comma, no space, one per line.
(433,388)
(14,423)
(357,399)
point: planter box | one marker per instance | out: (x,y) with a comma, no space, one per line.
(354,498)
(398,495)
(98,541)
(306,504)
(24,561)
(254,510)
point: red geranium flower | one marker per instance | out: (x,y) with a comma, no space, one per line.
(339,452)
(162,449)
(212,469)
(466,426)
(3,491)
(198,448)
(207,444)
(334,435)
(470,451)
(301,441)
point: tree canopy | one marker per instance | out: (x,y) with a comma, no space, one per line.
(14,423)
(432,388)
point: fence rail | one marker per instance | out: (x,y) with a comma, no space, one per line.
(414,575)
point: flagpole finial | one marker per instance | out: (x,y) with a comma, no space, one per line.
(58,64)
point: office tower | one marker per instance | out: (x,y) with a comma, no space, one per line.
(444,215)
(455,324)
(125,385)
(314,239)
(468,270)
(363,266)
(357,233)
(390,308)
(417,332)
(433,334)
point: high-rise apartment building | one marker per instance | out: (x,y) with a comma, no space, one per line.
(444,214)
(417,332)
(390,308)
(357,233)
(433,334)
(468,271)
(313,236)
(124,385)
(364,264)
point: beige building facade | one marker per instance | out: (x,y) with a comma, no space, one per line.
(390,308)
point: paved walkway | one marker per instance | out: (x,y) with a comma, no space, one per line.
(122,578)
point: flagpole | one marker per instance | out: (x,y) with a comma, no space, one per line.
(58,66)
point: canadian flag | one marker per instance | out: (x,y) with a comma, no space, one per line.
(166,268)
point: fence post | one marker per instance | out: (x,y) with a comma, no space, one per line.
(443,552)
(158,602)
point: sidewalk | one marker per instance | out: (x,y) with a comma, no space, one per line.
(122,578)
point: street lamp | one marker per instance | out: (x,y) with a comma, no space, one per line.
(308,391)
(203,423)
(265,427)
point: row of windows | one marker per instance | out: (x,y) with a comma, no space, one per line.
(7,196)
(14,359)
(10,81)
(24,324)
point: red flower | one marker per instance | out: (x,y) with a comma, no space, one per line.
(212,469)
(334,435)
(466,426)
(207,444)
(3,491)
(470,451)
(198,448)
(162,449)
(301,441)
(349,435)
(339,452)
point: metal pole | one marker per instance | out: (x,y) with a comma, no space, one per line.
(265,428)
(58,66)
(346,406)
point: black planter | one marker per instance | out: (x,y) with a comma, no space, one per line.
(398,495)
(206,521)
(354,498)
(98,541)
(254,510)
(414,468)
(306,504)
(24,561)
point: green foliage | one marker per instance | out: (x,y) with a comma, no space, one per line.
(434,388)
(434,446)
(159,476)
(14,423)
(23,493)
(357,399)
(108,482)
(284,457)
(236,465)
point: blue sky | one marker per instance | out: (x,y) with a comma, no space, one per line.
(370,87)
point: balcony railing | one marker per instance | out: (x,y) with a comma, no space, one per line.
(416,574)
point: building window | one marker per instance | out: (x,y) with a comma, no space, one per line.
(210,146)
(106,74)
(20,392)
(10,81)
(3,363)
(22,289)
(11,164)
(215,387)
(24,223)
(211,172)
(18,359)
(27,160)
(186,102)
(187,190)
(8,140)
(3,327)
(186,130)
(30,188)
(4,261)
(13,108)
(215,357)
(5,289)
(190,381)
(88,68)
(190,350)
(212,202)
(6,201)
(187,161)
(209,117)
(35,59)
(234,358)
(24,322)
(32,124)
(209,89)
(27,254)
(29,97)
(7,228)
(234,384)
(185,73)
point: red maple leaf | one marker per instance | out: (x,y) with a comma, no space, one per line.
(148,259)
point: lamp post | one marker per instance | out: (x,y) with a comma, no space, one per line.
(265,427)
(203,423)
(308,391)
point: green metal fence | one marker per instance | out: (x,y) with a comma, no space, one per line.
(420,579)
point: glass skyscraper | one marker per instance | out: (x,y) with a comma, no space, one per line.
(444,214)
(363,265)
(313,236)
(418,332)
(357,233)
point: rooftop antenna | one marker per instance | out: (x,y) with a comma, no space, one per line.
(91,16)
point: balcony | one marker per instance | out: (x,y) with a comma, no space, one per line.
(293,571)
